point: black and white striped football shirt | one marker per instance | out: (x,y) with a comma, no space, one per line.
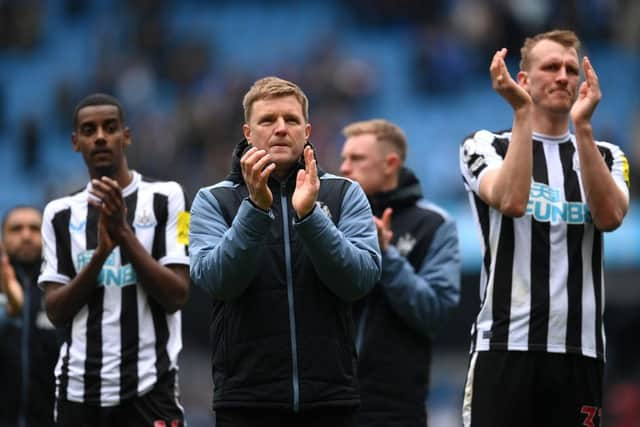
(122,341)
(542,283)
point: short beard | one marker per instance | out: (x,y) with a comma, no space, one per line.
(109,171)
(28,263)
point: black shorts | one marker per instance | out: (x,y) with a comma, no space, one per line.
(257,417)
(158,408)
(532,389)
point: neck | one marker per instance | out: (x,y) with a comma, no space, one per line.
(31,269)
(390,184)
(552,124)
(122,175)
(283,171)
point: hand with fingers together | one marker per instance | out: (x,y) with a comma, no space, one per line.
(113,211)
(256,168)
(307,185)
(504,84)
(589,95)
(384,228)
(9,284)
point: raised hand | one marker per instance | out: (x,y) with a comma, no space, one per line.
(307,185)
(107,196)
(7,274)
(589,95)
(9,285)
(384,228)
(504,84)
(256,169)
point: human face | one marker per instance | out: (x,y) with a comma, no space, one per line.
(553,77)
(277,125)
(21,235)
(101,137)
(364,161)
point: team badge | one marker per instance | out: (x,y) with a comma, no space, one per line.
(405,244)
(325,209)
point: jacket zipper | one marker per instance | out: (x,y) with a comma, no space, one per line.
(362,324)
(292,317)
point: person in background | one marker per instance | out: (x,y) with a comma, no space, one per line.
(420,282)
(29,344)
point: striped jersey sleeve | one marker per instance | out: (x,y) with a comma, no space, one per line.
(176,232)
(480,152)
(617,163)
(57,265)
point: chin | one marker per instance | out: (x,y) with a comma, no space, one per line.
(104,170)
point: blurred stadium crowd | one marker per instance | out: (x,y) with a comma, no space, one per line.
(182,67)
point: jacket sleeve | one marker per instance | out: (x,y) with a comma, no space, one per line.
(224,259)
(423,299)
(347,257)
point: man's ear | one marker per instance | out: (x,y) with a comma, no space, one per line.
(127,137)
(246,130)
(307,131)
(523,79)
(392,162)
(74,142)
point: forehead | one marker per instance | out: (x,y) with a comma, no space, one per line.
(364,143)
(549,50)
(21,217)
(98,113)
(279,104)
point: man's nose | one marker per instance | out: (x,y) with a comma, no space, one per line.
(281,125)
(101,134)
(562,74)
(344,168)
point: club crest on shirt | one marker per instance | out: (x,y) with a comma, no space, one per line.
(405,244)
(145,220)
(325,209)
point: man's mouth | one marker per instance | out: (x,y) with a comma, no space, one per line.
(100,151)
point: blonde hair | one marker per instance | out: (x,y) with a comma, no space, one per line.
(566,38)
(384,131)
(273,87)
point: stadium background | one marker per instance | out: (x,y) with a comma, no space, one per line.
(181,68)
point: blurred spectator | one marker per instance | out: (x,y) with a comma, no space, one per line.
(623,401)
(441,62)
(627,29)
(63,103)
(21,24)
(3,107)
(30,144)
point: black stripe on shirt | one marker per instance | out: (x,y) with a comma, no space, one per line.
(93,361)
(575,233)
(607,155)
(502,282)
(540,268)
(60,223)
(129,337)
(482,210)
(131,201)
(64,374)
(596,266)
(162,336)
(129,325)
(65,266)
(161,211)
